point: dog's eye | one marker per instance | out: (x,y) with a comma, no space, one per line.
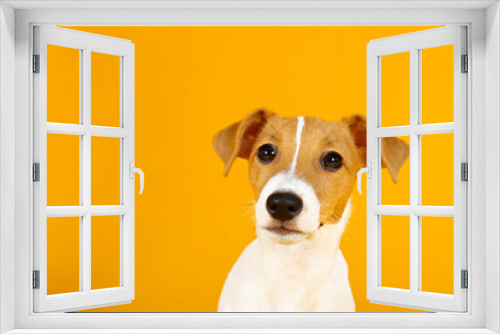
(331,161)
(266,153)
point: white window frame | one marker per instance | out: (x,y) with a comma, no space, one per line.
(414,43)
(85,43)
(484,147)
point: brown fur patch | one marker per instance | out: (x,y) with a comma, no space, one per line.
(347,137)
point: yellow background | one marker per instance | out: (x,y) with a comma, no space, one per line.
(191,222)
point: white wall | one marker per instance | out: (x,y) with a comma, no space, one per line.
(492,163)
(7,163)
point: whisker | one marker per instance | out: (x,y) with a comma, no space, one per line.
(248,213)
(249,203)
(268,134)
(272,126)
(245,214)
(333,142)
(330,215)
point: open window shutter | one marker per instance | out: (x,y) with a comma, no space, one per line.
(84,296)
(416,297)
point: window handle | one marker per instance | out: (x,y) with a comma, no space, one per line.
(133,170)
(368,171)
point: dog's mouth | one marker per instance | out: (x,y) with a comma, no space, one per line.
(283,230)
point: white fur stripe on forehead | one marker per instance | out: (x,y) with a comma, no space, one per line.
(298,137)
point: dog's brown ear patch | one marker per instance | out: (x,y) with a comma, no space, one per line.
(357,126)
(394,150)
(237,139)
(394,154)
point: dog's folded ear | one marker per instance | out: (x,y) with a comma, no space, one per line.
(394,150)
(394,154)
(237,139)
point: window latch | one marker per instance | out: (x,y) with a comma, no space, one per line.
(368,171)
(132,171)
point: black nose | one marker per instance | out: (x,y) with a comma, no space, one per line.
(284,206)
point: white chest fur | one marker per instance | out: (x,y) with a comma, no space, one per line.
(310,276)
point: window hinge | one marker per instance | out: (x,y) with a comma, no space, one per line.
(36,63)
(465,279)
(36,279)
(464,167)
(36,172)
(465,64)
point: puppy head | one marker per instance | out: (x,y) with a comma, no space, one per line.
(302,170)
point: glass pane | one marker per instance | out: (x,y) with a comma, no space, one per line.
(392,192)
(437,84)
(437,254)
(105,252)
(437,169)
(105,171)
(63,170)
(63,255)
(63,85)
(395,251)
(105,90)
(395,89)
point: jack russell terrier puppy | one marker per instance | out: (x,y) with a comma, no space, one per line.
(302,171)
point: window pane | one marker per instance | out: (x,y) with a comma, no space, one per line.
(395,251)
(437,254)
(105,252)
(63,170)
(395,89)
(63,85)
(437,84)
(63,255)
(392,192)
(105,90)
(105,171)
(437,169)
